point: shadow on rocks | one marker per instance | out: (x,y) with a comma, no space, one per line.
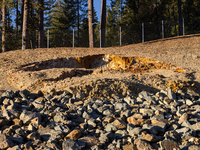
(112,87)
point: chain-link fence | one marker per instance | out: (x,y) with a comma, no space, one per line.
(115,35)
(123,35)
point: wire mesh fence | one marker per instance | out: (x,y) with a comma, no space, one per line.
(33,39)
(192,25)
(115,35)
(131,34)
(122,35)
(60,38)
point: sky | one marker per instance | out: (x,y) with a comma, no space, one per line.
(97,7)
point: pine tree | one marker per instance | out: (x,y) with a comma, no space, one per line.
(41,26)
(103,22)
(112,24)
(64,14)
(180,28)
(63,20)
(91,23)
(84,28)
(3,26)
(84,37)
(22,14)
(78,21)
(16,20)
(81,15)
(191,13)
(32,28)
(25,25)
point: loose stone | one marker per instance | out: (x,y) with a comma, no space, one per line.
(99,120)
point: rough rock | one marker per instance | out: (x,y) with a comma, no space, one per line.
(75,134)
(70,145)
(169,144)
(142,144)
(5,142)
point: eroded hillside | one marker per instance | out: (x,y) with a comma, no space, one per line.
(157,64)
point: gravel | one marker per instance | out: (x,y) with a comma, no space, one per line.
(72,120)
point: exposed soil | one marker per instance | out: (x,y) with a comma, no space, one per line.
(173,62)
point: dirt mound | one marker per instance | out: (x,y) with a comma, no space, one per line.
(39,76)
(170,63)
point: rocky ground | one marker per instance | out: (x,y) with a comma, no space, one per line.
(143,96)
(70,120)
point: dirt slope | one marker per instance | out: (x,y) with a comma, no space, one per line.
(55,65)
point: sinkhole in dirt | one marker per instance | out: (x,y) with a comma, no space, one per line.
(62,68)
(62,72)
(109,62)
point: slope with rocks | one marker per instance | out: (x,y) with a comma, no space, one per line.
(142,96)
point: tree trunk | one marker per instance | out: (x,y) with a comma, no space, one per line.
(3,26)
(180,30)
(103,22)
(41,26)
(33,25)
(134,14)
(25,25)
(91,23)
(174,21)
(78,22)
(121,10)
(17,15)
(22,14)
(169,22)
(157,23)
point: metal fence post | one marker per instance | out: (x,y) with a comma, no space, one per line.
(142,32)
(163,34)
(120,36)
(100,38)
(183,27)
(73,37)
(48,38)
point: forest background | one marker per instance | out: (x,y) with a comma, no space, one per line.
(59,19)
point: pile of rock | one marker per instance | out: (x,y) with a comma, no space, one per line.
(73,121)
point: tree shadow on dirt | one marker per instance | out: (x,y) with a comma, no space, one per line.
(1,92)
(196,87)
(49,64)
(70,74)
(138,87)
(86,62)
(76,69)
(109,87)
(172,38)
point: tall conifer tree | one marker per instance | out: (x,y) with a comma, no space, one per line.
(91,23)
(103,22)
(25,25)
(41,26)
(3,26)
(180,23)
